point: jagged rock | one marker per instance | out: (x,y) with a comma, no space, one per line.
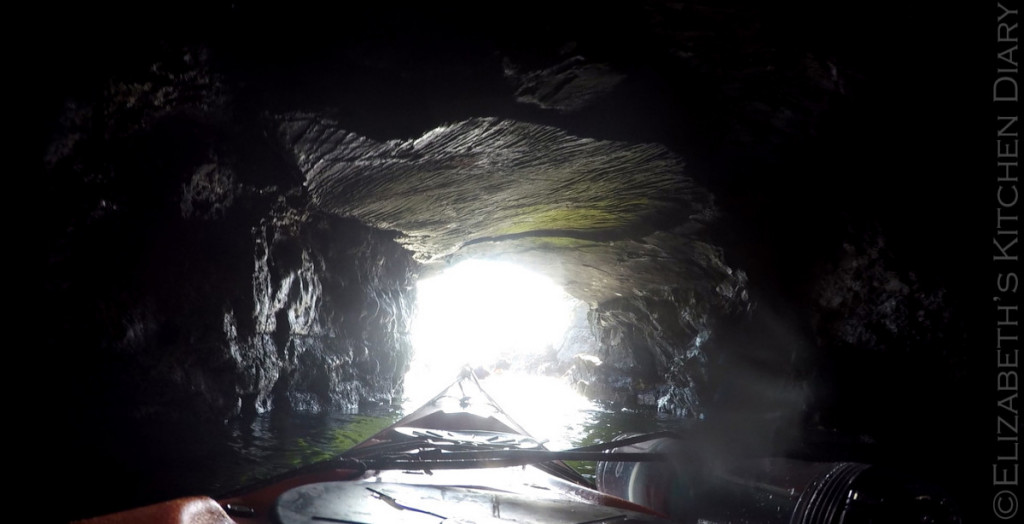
(869,307)
(864,302)
(210,292)
(579,338)
(568,86)
(343,334)
(483,180)
(210,192)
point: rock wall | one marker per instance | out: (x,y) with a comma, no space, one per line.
(651,346)
(333,300)
(188,276)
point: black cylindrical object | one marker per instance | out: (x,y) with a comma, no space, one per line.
(663,486)
(692,487)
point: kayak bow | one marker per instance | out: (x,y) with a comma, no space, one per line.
(458,458)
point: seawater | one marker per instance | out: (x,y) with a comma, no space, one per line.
(146,465)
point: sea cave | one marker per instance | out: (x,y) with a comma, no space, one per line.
(760,218)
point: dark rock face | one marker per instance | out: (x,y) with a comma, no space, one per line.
(570,85)
(332,306)
(486,180)
(871,306)
(188,259)
(864,303)
(649,347)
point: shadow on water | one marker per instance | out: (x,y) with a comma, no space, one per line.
(139,464)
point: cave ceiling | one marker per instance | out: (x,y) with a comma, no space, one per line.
(582,142)
(621,149)
(603,218)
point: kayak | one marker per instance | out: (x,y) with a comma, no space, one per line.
(457,459)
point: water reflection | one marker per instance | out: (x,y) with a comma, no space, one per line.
(547,407)
(271,445)
(552,411)
(146,465)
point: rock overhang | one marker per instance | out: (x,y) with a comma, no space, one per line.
(603,218)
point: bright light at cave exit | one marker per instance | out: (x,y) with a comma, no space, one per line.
(480,313)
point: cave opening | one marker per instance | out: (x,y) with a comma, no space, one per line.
(504,321)
(485,313)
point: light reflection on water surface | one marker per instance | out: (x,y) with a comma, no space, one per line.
(145,466)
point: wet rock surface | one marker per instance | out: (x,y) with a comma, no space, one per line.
(744,197)
(184,253)
(570,85)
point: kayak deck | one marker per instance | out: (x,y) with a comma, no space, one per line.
(365,502)
(459,457)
